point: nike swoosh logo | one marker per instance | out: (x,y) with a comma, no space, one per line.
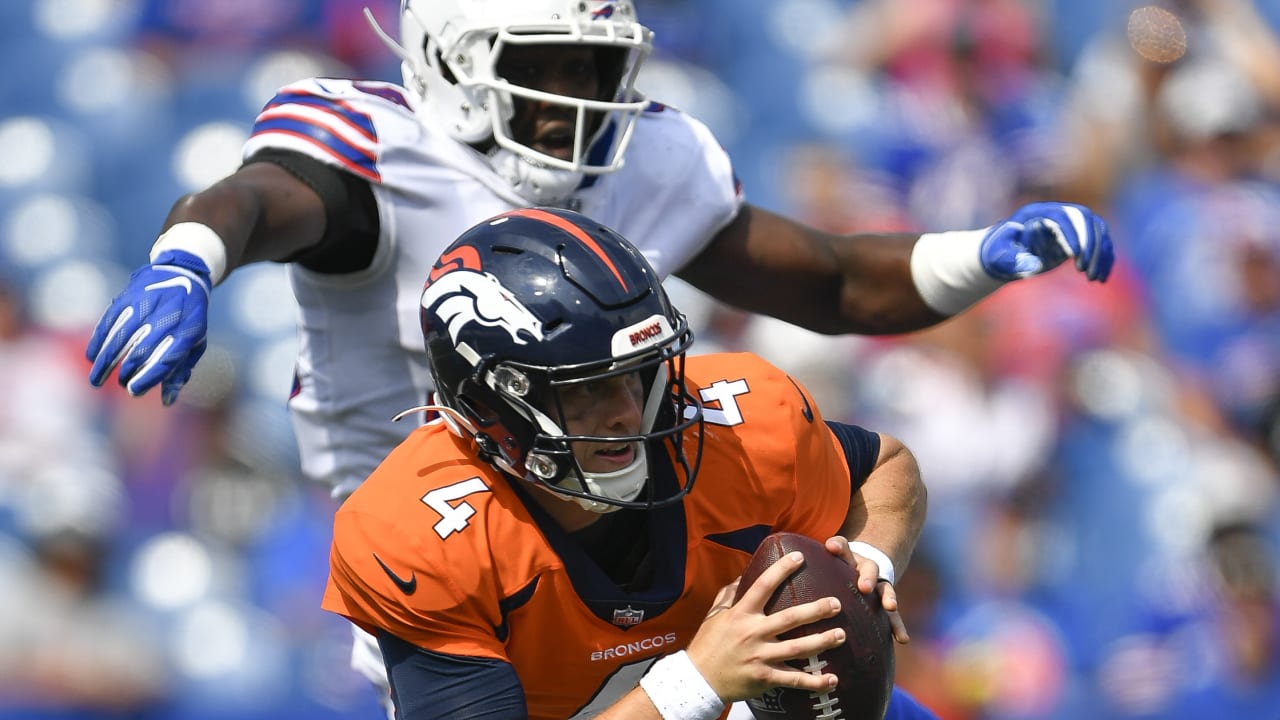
(806,410)
(176,281)
(408,587)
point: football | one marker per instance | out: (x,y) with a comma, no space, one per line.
(864,662)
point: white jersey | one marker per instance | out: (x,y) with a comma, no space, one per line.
(361,358)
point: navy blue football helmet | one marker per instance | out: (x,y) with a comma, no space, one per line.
(534,303)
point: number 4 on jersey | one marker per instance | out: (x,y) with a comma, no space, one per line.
(726,393)
(453,518)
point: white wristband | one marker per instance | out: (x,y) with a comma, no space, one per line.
(199,240)
(872,552)
(679,691)
(947,270)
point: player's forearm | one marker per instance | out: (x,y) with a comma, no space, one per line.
(260,213)
(877,290)
(888,512)
(833,284)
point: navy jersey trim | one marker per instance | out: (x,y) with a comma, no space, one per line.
(861,448)
(428,685)
(510,604)
(746,539)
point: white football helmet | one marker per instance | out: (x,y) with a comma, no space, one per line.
(449,51)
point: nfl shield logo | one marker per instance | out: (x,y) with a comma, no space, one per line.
(628,616)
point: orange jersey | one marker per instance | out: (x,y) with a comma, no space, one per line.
(440,550)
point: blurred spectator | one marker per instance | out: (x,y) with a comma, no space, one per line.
(832,191)
(71,644)
(1113,119)
(1239,676)
(936,386)
(178,27)
(1007,653)
(1204,240)
(1216,655)
(47,416)
(920,665)
(348,38)
(187,34)
(966,93)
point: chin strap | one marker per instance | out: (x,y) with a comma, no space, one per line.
(625,484)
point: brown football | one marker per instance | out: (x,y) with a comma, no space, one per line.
(864,662)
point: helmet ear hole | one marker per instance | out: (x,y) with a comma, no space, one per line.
(479,412)
(503,433)
(435,59)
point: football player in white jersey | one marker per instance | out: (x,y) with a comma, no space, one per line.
(510,103)
(507,104)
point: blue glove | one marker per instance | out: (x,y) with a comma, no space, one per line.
(155,328)
(1040,236)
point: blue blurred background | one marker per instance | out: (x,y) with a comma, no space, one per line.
(1102,459)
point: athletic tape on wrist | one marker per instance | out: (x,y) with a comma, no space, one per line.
(679,691)
(947,270)
(199,240)
(871,552)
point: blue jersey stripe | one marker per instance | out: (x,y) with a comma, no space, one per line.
(357,119)
(356,159)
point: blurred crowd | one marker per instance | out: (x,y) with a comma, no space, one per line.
(1103,461)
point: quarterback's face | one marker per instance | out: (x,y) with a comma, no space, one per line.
(607,408)
(568,70)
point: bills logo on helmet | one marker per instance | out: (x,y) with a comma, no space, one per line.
(605,11)
(466,296)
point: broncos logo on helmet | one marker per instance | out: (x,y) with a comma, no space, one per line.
(533,304)
(466,296)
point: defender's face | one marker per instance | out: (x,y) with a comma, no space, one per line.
(613,407)
(569,70)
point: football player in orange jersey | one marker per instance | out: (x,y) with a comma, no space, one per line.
(563,540)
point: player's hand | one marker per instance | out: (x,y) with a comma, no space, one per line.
(1040,236)
(869,580)
(737,649)
(154,330)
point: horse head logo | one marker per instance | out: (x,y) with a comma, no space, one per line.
(465,296)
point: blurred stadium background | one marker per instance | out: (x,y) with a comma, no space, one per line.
(1102,460)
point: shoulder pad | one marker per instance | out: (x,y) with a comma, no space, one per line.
(340,122)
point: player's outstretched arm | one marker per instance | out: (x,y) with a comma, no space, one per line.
(735,655)
(878,284)
(153,332)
